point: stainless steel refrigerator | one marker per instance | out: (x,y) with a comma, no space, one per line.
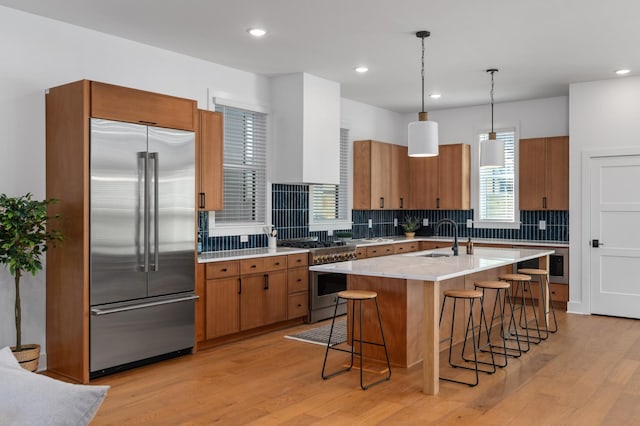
(142,222)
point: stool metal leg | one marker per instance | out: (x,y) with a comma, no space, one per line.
(326,354)
(477,344)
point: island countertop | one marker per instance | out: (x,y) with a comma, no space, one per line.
(417,266)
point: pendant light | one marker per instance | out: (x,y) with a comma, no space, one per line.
(423,134)
(492,150)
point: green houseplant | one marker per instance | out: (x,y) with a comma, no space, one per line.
(23,240)
(410,226)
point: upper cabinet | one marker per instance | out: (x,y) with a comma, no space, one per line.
(210,173)
(137,106)
(544,173)
(441,182)
(306,130)
(380,176)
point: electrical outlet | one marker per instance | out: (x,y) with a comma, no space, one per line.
(469,223)
(542,225)
(370,225)
(244,238)
(395,222)
(425,222)
(330,232)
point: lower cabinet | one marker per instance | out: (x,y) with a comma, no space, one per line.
(241,295)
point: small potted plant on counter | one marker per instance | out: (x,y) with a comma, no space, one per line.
(410,226)
(23,240)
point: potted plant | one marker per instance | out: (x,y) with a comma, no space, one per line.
(410,225)
(23,240)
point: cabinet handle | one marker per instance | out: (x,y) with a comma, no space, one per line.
(401,202)
(298,260)
(438,203)
(299,280)
(544,202)
(147,122)
(299,305)
(266,281)
(202,200)
(224,269)
(254,266)
(382,202)
(239,285)
(277,263)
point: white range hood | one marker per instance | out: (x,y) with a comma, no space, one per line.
(306,130)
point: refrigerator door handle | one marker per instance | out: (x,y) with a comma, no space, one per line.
(156,230)
(141,216)
(99,311)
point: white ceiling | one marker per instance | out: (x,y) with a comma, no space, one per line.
(539,46)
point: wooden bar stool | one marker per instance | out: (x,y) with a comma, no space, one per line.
(502,296)
(471,296)
(543,280)
(354,296)
(522,283)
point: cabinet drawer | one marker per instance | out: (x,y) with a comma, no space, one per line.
(383,250)
(559,292)
(222,269)
(361,252)
(137,106)
(295,260)
(405,247)
(298,280)
(298,305)
(262,264)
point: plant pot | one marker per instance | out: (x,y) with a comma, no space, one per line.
(409,234)
(28,356)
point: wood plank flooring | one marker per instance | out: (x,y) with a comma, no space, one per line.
(588,373)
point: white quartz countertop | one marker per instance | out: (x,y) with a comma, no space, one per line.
(415,266)
(220,256)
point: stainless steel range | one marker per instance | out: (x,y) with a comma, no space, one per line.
(324,287)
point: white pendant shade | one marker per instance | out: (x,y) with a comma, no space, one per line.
(492,153)
(423,139)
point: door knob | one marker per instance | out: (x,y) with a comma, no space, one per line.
(596,243)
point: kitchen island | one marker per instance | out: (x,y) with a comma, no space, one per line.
(409,290)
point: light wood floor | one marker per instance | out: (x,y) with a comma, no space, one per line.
(588,373)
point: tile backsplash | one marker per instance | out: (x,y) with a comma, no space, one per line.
(290,216)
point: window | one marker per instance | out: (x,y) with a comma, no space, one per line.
(244,167)
(329,203)
(497,195)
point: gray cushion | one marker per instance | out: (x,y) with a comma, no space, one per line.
(28,398)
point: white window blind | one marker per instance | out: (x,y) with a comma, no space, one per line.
(497,185)
(330,202)
(245,155)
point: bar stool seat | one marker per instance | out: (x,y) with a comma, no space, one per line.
(354,296)
(515,277)
(543,279)
(471,296)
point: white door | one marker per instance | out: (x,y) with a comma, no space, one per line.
(615,223)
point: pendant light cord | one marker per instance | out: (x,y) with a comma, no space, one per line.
(491,101)
(422,73)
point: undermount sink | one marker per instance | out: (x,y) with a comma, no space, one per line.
(436,255)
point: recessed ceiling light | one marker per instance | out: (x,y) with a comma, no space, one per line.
(257,32)
(435,96)
(623,71)
(361,69)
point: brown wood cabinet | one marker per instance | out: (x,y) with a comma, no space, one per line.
(263,299)
(544,173)
(137,106)
(298,285)
(68,110)
(210,152)
(380,250)
(406,247)
(441,182)
(380,176)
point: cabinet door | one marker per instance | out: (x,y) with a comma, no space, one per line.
(423,183)
(532,173)
(362,175)
(222,307)
(454,177)
(399,177)
(210,177)
(276,297)
(252,301)
(380,175)
(137,106)
(557,173)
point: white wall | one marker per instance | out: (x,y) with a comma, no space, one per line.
(39,53)
(604,115)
